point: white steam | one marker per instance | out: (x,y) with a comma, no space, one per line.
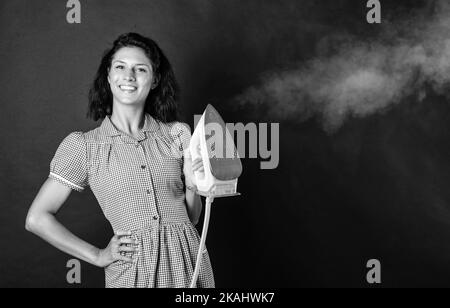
(362,78)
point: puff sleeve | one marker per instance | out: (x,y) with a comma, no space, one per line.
(181,132)
(69,164)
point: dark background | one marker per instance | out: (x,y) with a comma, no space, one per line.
(376,188)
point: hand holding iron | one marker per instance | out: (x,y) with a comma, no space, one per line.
(190,167)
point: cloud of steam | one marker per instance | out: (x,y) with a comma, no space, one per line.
(362,77)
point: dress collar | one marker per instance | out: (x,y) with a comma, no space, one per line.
(108,128)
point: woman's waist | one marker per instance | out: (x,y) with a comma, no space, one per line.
(153,222)
(138,218)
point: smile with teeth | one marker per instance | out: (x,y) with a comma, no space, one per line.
(128,88)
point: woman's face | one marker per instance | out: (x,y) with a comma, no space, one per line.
(130,76)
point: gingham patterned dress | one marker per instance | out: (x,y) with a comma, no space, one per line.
(138,183)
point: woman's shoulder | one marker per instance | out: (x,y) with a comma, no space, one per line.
(95,135)
(74,142)
(175,128)
(75,137)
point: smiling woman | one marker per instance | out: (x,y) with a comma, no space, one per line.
(131,76)
(130,55)
(128,165)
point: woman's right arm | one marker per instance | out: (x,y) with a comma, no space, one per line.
(41,221)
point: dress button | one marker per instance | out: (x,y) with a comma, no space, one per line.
(143,166)
(155,217)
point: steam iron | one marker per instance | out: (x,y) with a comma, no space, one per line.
(213,143)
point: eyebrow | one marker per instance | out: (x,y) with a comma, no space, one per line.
(126,63)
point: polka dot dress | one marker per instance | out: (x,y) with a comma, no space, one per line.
(138,183)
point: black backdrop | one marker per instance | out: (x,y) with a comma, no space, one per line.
(376,188)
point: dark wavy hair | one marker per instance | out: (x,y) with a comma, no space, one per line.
(161,102)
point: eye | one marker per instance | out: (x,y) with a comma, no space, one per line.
(142,70)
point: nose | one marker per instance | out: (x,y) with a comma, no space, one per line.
(129,75)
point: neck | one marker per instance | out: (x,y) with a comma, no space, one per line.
(128,120)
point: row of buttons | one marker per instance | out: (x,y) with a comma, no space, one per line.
(148,190)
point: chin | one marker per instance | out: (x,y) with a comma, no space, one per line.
(129,101)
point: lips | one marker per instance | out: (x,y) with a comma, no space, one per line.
(127,88)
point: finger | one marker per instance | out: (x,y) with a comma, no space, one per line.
(198,161)
(127,240)
(127,248)
(122,233)
(199,168)
(197,165)
(124,258)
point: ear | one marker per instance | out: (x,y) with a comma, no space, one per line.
(155,82)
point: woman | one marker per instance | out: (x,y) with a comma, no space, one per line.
(134,163)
